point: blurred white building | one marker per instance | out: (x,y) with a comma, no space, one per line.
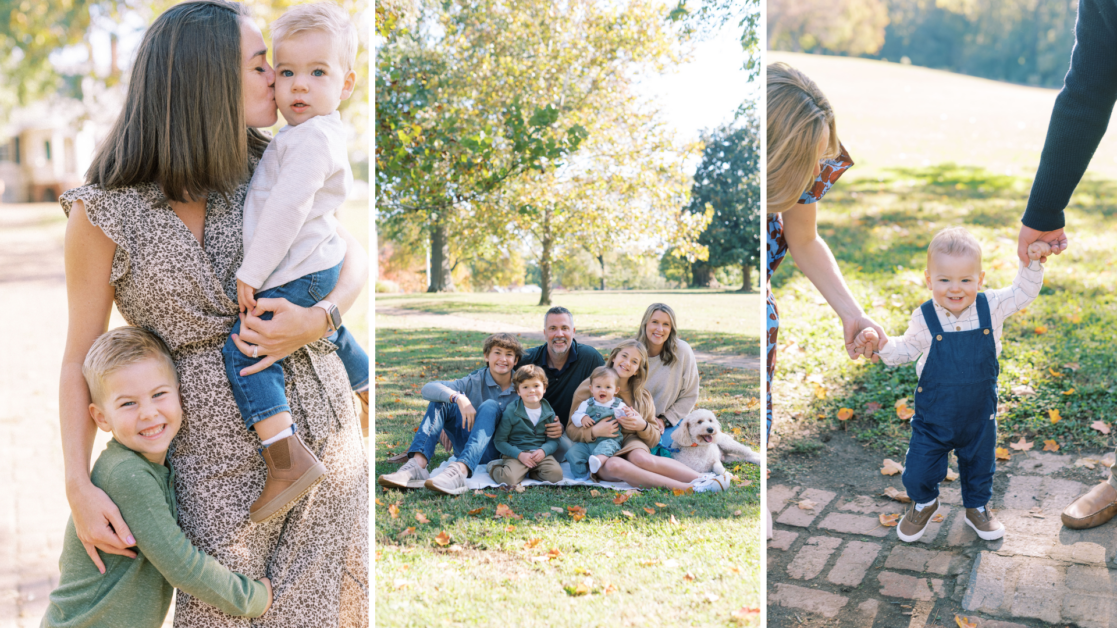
(45,150)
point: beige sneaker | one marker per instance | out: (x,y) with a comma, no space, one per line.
(410,475)
(449,482)
(915,522)
(985,524)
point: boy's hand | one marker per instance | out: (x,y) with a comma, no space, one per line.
(267,584)
(246,297)
(1039,250)
(468,412)
(526,459)
(538,455)
(587,421)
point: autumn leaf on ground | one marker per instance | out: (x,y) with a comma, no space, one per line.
(378,502)
(1023,391)
(902,403)
(661,505)
(1089,463)
(576,591)
(519,488)
(595,493)
(556,509)
(891,467)
(1054,414)
(609,588)
(689,577)
(650,511)
(1002,453)
(504,512)
(1037,513)
(1022,445)
(673,521)
(1054,373)
(807,504)
(900,496)
(938,518)
(872,407)
(752,404)
(442,539)
(476,511)
(819,391)
(577,513)
(620,499)
(532,543)
(890,520)
(1068,392)
(421,518)
(1041,329)
(745,615)
(965,622)
(1050,445)
(628,513)
(951,474)
(1100,426)
(410,530)
(489,495)
(393,510)
(554,554)
(905,413)
(845,414)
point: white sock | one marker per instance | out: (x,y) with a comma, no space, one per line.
(920,507)
(280,436)
(595,464)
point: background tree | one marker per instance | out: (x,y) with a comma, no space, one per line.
(853,27)
(728,181)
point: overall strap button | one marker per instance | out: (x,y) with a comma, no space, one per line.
(986,332)
(938,337)
(920,389)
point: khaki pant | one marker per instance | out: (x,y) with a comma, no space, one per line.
(511,471)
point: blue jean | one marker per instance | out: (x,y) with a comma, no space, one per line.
(579,454)
(263,394)
(471,447)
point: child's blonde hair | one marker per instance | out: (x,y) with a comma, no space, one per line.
(954,241)
(529,372)
(798,115)
(118,348)
(604,371)
(324,17)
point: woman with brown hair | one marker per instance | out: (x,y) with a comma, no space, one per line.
(634,462)
(158,231)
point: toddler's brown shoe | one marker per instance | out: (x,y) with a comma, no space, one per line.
(363,396)
(915,522)
(292,471)
(984,523)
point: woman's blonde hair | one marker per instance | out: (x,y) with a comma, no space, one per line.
(641,399)
(670,347)
(798,116)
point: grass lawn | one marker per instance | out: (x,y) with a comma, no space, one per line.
(678,560)
(709,320)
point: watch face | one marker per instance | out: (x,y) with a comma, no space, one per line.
(335,317)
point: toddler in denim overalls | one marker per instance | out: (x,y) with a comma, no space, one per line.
(956,337)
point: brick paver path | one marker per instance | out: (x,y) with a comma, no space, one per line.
(33,507)
(835,565)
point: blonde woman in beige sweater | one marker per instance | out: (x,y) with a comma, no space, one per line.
(635,463)
(672,369)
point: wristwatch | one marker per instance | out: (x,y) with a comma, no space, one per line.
(333,316)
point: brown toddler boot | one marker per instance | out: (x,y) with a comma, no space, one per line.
(292,471)
(363,396)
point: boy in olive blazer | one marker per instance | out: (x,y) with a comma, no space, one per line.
(521,435)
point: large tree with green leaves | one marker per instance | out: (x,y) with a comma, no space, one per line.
(728,181)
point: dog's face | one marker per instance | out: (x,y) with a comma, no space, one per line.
(700,427)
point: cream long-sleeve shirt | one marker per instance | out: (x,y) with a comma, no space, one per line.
(1003,303)
(674,386)
(290,230)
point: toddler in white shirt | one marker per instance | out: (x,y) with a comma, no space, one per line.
(956,339)
(587,458)
(292,249)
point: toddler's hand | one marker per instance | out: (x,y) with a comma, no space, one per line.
(526,459)
(1038,250)
(587,421)
(246,297)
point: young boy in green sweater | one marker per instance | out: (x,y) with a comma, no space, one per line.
(521,435)
(134,389)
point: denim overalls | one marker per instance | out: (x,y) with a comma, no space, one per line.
(955,408)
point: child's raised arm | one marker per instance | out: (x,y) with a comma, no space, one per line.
(910,346)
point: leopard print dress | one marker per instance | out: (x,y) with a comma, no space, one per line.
(317,555)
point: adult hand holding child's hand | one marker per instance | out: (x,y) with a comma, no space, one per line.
(852,328)
(1057,239)
(631,420)
(607,429)
(1039,250)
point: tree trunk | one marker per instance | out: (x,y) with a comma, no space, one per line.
(700,273)
(545,260)
(601,260)
(746,271)
(441,279)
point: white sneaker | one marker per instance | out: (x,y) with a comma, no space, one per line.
(710,485)
(449,482)
(410,475)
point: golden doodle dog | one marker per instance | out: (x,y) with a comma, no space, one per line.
(703,447)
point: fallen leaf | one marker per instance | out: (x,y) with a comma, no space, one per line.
(476,511)
(510,528)
(649,563)
(1100,426)
(1050,445)
(744,616)
(532,543)
(1037,512)
(711,597)
(905,413)
(394,511)
(1074,318)
(421,518)
(542,515)
(872,407)
(689,577)
(891,467)
(442,539)
(1023,391)
(1022,445)
(1002,453)
(900,496)
(554,554)
(489,495)
(378,502)
(819,391)
(902,403)
(595,493)
(951,474)
(1054,373)
(620,499)
(965,622)
(577,513)
(504,512)
(556,509)
(519,488)
(650,511)
(807,504)
(673,521)
(675,491)
(410,530)
(628,513)
(1068,392)
(609,588)
(661,505)
(845,414)
(1072,366)
(937,518)
(1041,329)
(736,513)
(1054,414)
(890,520)
(1086,462)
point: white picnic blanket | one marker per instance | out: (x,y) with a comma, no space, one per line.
(482,479)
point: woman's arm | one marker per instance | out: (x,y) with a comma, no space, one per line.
(292,326)
(813,257)
(89,255)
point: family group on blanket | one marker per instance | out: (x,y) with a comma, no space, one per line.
(633,421)
(955,337)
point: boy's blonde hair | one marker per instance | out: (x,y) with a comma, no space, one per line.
(604,371)
(798,115)
(529,372)
(118,348)
(325,17)
(954,241)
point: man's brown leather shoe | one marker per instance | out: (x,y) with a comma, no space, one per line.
(1092,508)
(292,471)
(363,396)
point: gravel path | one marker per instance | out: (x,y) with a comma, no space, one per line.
(397,317)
